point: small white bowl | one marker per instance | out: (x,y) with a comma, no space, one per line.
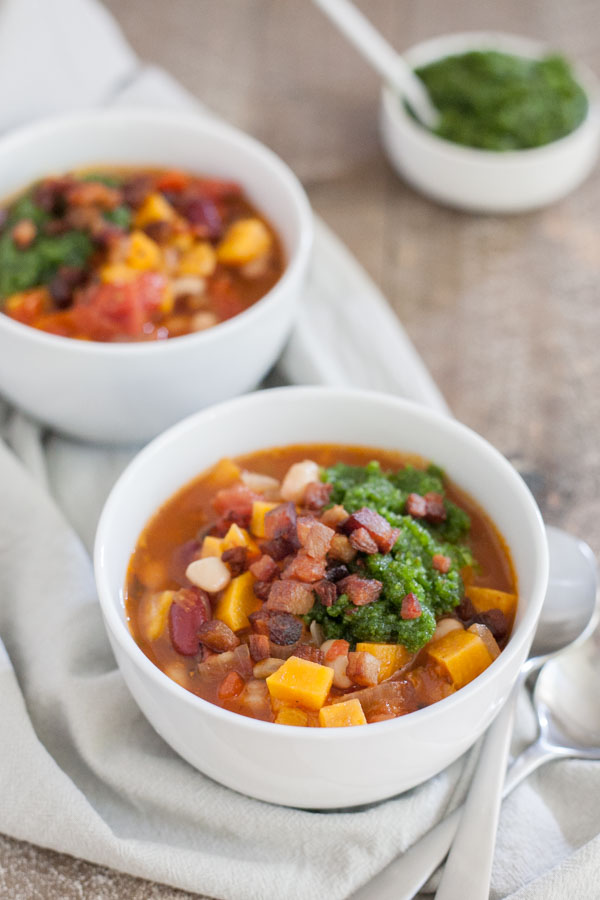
(129,392)
(485,180)
(312,767)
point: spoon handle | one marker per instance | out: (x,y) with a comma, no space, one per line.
(479,820)
(381,55)
(405,876)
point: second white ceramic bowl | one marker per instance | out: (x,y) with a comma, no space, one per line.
(485,180)
(312,767)
(124,393)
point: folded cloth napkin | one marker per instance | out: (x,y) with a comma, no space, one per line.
(81,771)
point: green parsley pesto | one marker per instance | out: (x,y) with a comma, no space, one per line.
(497,101)
(408,567)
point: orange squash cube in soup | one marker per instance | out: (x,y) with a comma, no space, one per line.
(123,254)
(320,586)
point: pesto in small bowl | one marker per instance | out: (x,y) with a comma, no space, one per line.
(501,102)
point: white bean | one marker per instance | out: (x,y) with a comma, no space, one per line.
(211,574)
(339,666)
(262,484)
(297,478)
(445,626)
(266,667)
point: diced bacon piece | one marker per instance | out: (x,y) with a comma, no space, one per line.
(235,504)
(265,568)
(341,548)
(314,536)
(416,506)
(231,686)
(390,698)
(284,629)
(326,591)
(335,516)
(441,563)
(259,620)
(304,568)
(258,644)
(360,591)
(291,596)
(278,548)
(436,511)
(316,495)
(411,608)
(218,636)
(361,540)
(93,193)
(188,611)
(334,648)
(363,668)
(377,526)
(281,523)
(262,589)
(297,477)
(236,559)
(310,652)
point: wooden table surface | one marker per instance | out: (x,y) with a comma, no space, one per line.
(504,311)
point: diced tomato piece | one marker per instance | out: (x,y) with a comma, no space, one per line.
(338,648)
(174,180)
(231,686)
(411,608)
(107,311)
(217,189)
(224,297)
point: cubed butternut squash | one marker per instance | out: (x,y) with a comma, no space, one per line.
(489,598)
(391,657)
(200,260)
(462,654)
(291,715)
(155,208)
(118,273)
(300,682)
(211,546)
(341,715)
(239,537)
(237,602)
(257,521)
(154,613)
(244,241)
(225,472)
(144,253)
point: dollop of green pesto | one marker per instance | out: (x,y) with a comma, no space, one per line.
(497,101)
(408,567)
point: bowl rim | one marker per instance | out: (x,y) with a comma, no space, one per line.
(119,631)
(248,146)
(517,45)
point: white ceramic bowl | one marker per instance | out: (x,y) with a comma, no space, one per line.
(318,768)
(130,392)
(486,180)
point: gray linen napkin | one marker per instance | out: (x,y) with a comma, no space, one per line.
(81,771)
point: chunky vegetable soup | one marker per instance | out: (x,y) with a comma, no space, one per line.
(321,586)
(133,255)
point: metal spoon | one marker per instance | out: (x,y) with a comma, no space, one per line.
(479,823)
(382,56)
(573,574)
